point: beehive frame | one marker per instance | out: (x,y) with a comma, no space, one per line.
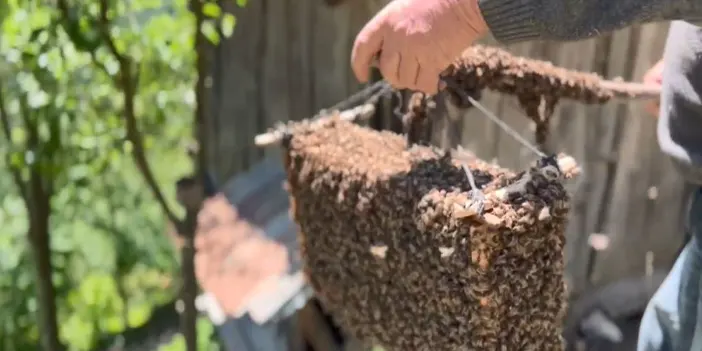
(392,243)
(395,252)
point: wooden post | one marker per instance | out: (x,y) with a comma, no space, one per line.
(315,329)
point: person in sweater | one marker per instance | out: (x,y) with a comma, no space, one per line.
(413,41)
(673,318)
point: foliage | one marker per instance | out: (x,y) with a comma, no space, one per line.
(111,261)
(204,342)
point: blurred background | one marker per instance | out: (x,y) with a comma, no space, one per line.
(108,137)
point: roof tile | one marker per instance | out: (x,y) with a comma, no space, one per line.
(237,260)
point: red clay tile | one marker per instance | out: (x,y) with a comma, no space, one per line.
(234,259)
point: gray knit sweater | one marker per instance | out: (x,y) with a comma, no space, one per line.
(680,122)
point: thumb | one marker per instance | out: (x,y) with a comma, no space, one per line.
(654,75)
(368,44)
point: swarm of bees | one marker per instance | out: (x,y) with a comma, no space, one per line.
(537,85)
(399,256)
(481,67)
(399,246)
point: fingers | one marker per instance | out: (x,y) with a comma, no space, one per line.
(368,44)
(653,108)
(654,75)
(405,72)
(408,72)
(428,81)
(389,65)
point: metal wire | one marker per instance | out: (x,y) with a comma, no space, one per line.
(372,94)
(365,95)
(477,195)
(504,126)
(384,90)
(397,111)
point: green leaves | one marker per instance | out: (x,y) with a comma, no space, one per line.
(64,108)
(112,261)
(209,30)
(228,24)
(204,333)
(218,23)
(211,9)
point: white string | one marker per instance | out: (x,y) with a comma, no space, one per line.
(506,128)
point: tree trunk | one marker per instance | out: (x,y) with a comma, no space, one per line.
(189,292)
(39,212)
(190,287)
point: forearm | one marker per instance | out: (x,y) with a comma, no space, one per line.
(521,20)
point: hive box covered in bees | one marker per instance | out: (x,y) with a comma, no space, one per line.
(400,255)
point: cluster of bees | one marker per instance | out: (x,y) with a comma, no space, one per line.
(481,67)
(396,256)
(537,85)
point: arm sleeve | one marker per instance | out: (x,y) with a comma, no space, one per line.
(565,20)
(680,120)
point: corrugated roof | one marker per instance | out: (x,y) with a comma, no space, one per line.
(247,255)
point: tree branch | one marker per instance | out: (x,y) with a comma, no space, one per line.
(37,197)
(125,80)
(104,27)
(7,129)
(70,25)
(100,65)
(201,87)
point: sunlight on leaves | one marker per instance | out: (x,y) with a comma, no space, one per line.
(112,264)
(228,24)
(211,9)
(210,31)
(204,332)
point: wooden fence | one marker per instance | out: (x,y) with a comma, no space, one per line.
(289,58)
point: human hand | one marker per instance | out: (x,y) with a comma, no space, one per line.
(415,40)
(654,77)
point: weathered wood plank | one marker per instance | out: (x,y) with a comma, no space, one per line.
(315,328)
(331,53)
(296,339)
(237,92)
(300,64)
(571,130)
(667,197)
(627,221)
(479,134)
(510,152)
(275,75)
(604,122)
